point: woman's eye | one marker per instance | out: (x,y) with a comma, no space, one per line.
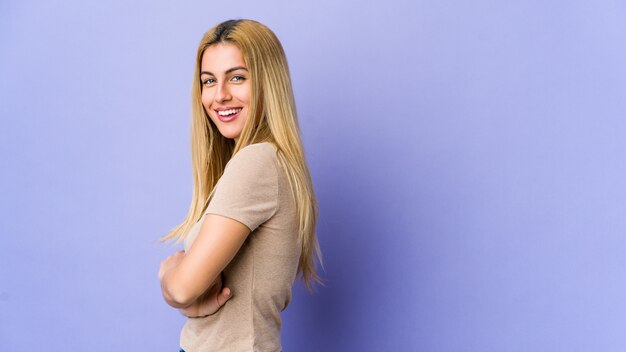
(238,78)
(208,81)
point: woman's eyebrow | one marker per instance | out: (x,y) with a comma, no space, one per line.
(226,72)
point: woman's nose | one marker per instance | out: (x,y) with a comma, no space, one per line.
(222,94)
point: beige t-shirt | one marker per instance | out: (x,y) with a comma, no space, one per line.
(253,190)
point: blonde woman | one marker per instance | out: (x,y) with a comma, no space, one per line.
(250,229)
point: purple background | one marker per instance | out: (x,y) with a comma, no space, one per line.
(469,159)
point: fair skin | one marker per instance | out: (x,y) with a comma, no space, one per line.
(186,276)
(226,89)
(209,302)
(191,281)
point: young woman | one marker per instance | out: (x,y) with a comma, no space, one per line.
(250,228)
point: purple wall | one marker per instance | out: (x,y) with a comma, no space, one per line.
(469,159)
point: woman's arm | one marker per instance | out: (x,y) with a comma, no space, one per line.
(186,276)
(209,302)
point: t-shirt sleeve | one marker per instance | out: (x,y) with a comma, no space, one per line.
(248,189)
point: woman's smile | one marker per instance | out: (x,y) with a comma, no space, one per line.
(227,114)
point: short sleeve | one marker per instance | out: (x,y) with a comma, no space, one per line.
(248,189)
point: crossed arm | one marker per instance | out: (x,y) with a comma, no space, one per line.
(190,280)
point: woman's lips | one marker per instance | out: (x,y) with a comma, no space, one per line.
(230,117)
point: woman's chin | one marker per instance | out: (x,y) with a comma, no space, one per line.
(227,133)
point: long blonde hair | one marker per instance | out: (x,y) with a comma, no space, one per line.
(272,119)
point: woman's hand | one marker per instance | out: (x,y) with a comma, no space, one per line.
(209,302)
(170,262)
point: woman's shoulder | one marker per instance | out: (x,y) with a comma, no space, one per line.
(261,152)
(263,147)
(254,156)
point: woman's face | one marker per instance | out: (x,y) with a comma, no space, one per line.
(226,88)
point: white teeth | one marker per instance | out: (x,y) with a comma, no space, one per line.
(228,112)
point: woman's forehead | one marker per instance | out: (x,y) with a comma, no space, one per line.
(219,58)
